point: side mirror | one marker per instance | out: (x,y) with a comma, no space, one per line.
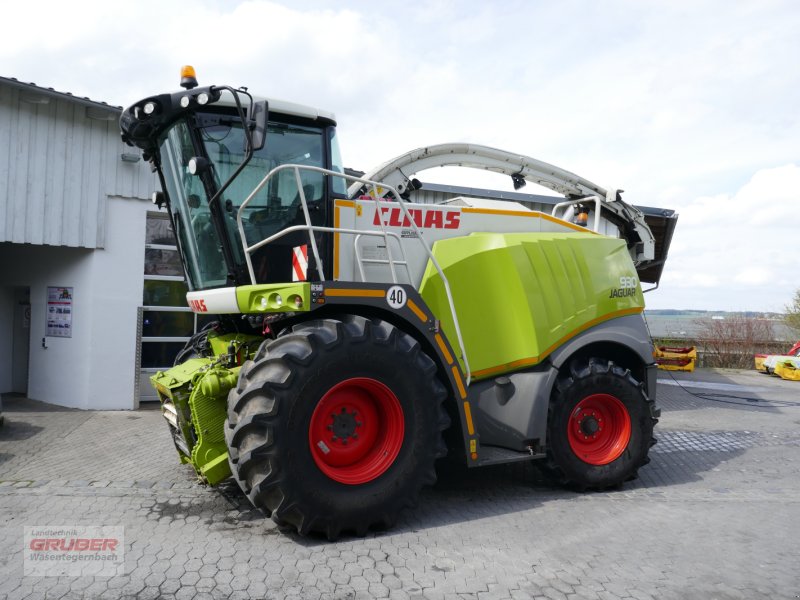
(258,124)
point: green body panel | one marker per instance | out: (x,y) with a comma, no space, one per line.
(197,390)
(209,407)
(274,297)
(174,388)
(519,296)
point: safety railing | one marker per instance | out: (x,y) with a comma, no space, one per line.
(361,261)
(378,191)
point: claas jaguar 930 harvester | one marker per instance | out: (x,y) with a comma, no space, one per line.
(356,329)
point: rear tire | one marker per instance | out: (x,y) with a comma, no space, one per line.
(336,425)
(600,426)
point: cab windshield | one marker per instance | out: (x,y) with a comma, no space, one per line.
(276,206)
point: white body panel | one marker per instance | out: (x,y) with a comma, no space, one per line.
(282,107)
(435,222)
(219,301)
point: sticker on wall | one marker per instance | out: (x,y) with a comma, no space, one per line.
(59,312)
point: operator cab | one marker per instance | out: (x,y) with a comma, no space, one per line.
(212,147)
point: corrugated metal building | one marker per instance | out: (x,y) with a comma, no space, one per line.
(434,193)
(61,160)
(73,209)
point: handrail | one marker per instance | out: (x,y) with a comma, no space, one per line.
(376,197)
(324,229)
(362,261)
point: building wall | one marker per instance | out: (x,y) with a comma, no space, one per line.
(95,368)
(116,299)
(54,373)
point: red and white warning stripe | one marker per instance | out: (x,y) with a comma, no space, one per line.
(299,262)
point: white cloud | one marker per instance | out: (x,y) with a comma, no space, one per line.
(684,105)
(755,276)
(740,244)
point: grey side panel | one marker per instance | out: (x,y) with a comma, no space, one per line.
(629,332)
(511,411)
(652,376)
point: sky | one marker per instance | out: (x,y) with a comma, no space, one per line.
(686,105)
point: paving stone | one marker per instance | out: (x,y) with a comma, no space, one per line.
(722,476)
(121,484)
(80,483)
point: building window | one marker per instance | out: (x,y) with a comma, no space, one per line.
(167,322)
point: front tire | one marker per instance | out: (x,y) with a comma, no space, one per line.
(336,425)
(600,426)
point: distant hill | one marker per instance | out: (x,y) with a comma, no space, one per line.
(687,324)
(708,313)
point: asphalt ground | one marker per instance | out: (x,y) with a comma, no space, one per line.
(715,515)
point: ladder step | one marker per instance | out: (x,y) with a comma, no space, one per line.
(494,455)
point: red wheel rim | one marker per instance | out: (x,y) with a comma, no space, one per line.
(356,431)
(599,429)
